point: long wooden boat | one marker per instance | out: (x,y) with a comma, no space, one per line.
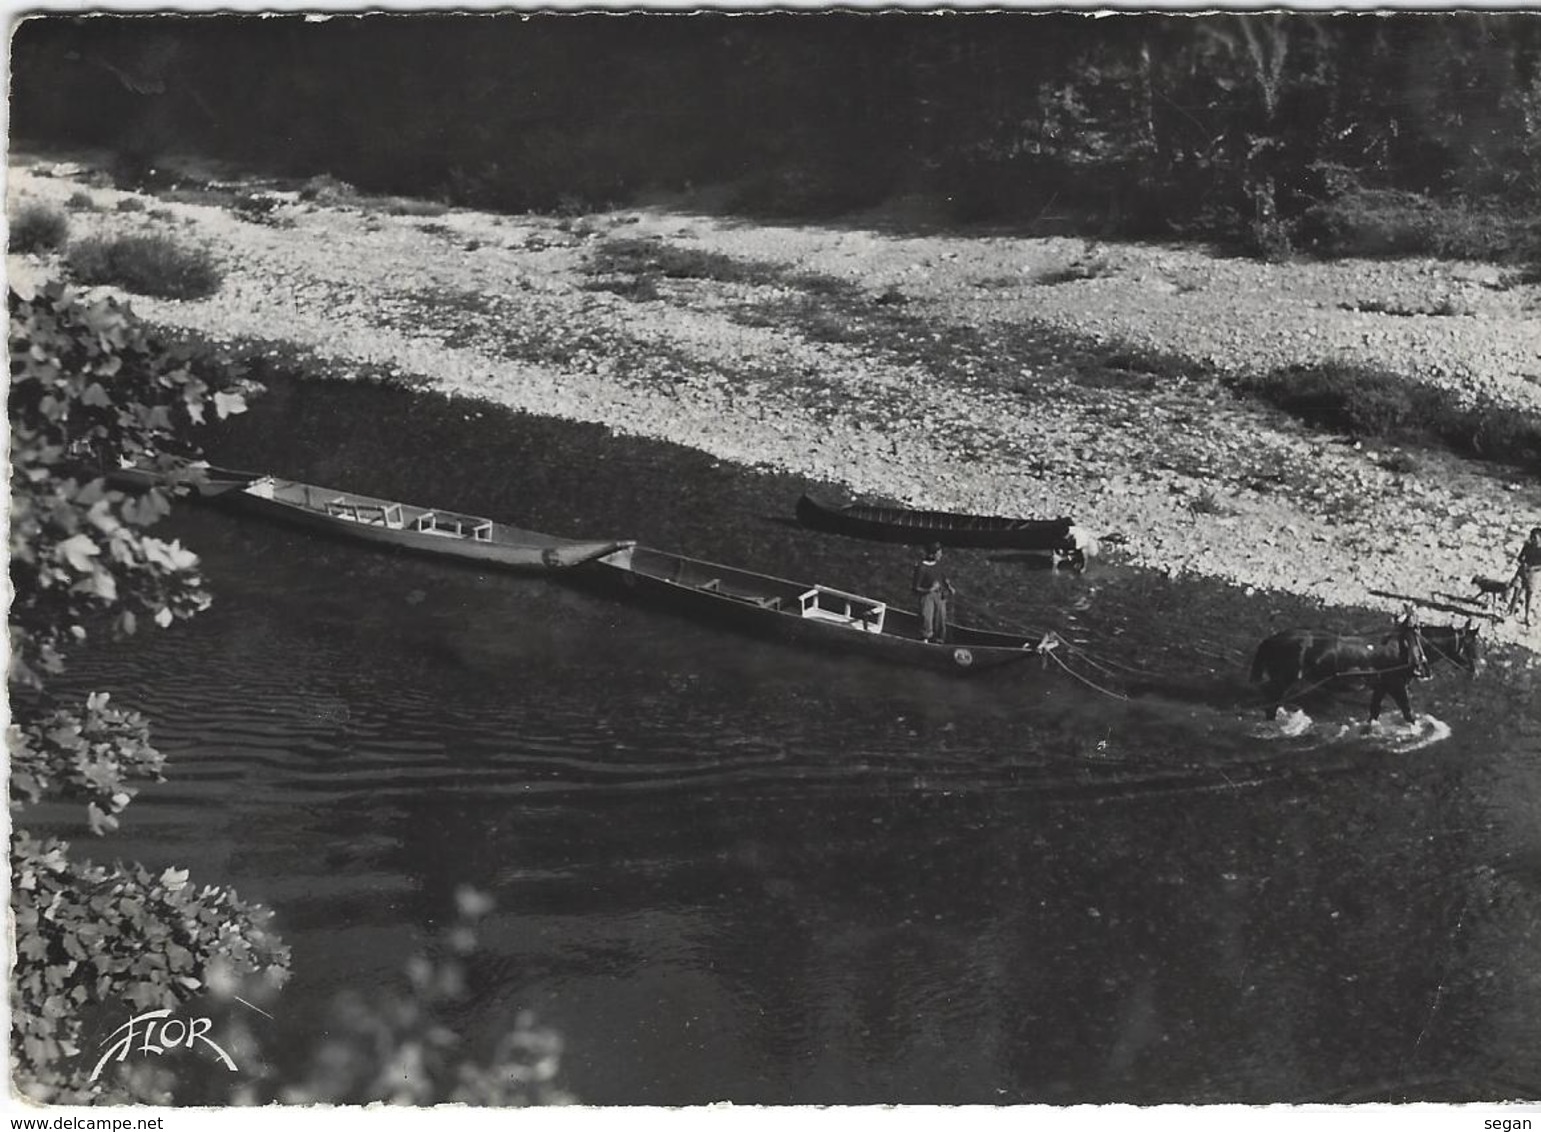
(803,612)
(916,528)
(425,530)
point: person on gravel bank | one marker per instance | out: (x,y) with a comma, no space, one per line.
(934,590)
(1528,570)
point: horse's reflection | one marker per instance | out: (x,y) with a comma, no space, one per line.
(1300,661)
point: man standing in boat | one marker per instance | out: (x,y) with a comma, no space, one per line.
(934,590)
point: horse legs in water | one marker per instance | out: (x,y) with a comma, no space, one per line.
(1276,694)
(1276,685)
(1286,659)
(1280,666)
(1398,690)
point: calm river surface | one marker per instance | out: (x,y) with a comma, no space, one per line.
(730,870)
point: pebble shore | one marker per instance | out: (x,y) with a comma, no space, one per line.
(1197,481)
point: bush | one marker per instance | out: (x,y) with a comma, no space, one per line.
(1209,502)
(38,228)
(326,189)
(654,257)
(255,208)
(1092,263)
(1359,402)
(641,289)
(147,265)
(81,202)
(1376,404)
(1504,434)
(1383,222)
(131,204)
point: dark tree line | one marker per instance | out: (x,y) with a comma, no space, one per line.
(1239,123)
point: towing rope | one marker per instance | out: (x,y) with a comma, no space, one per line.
(1089,683)
(1103,664)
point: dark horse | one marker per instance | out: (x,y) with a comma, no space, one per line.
(1308,659)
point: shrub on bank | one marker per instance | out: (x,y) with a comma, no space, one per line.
(38,228)
(1382,222)
(1349,399)
(644,257)
(152,265)
(326,189)
(1503,434)
(1375,404)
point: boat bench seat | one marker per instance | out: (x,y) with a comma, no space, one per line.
(822,603)
(748,599)
(374,514)
(460,526)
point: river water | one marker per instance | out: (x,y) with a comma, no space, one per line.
(734,870)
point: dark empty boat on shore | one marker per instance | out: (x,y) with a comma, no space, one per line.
(917,528)
(803,612)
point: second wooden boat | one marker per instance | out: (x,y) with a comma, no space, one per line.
(799,611)
(917,528)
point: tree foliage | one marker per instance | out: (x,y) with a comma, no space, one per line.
(403,1044)
(1149,123)
(91,937)
(88,383)
(97,754)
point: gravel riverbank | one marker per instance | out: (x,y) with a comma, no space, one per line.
(947,371)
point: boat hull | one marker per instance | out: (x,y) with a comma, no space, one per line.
(216,481)
(768,606)
(418,530)
(917,528)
